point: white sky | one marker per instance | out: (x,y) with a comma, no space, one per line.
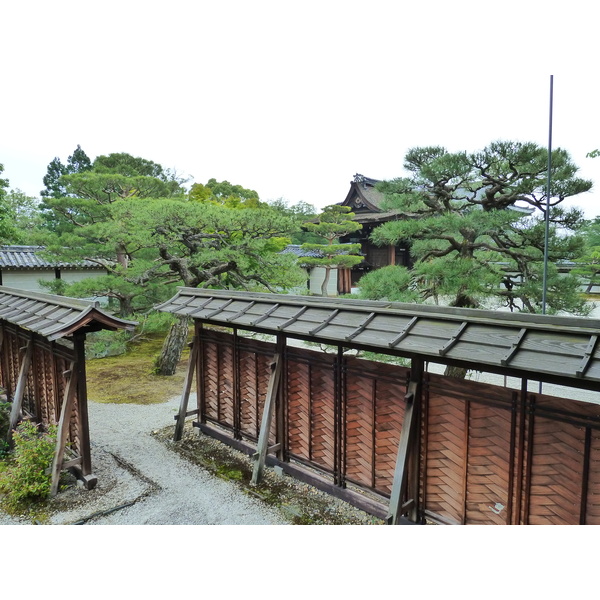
(292,98)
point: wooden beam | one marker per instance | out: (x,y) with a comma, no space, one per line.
(20,391)
(404,446)
(185,394)
(63,430)
(267,417)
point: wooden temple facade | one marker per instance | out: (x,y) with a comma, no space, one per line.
(401,442)
(366,202)
(42,370)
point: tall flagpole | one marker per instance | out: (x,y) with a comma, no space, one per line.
(545,282)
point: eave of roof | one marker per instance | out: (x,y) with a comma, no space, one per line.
(536,346)
(53,316)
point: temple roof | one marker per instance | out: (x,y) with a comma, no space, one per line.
(365,200)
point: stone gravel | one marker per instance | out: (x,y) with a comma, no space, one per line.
(142,482)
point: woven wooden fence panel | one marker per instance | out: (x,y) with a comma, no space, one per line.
(374,402)
(254,383)
(564,475)
(218,381)
(310,402)
(488,456)
(235,379)
(556,473)
(46,379)
(467,451)
(592,505)
(489,465)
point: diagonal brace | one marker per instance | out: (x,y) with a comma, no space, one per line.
(405,445)
(185,395)
(267,417)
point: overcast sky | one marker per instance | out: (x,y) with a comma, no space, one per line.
(292,98)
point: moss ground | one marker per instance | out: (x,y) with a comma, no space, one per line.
(129,378)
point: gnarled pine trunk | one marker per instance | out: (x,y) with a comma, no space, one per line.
(166,363)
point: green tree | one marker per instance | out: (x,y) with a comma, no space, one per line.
(334,222)
(300,213)
(150,244)
(588,265)
(214,246)
(225,194)
(7,227)
(392,283)
(475,223)
(23,211)
(76,163)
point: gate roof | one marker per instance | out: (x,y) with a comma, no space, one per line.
(560,349)
(53,316)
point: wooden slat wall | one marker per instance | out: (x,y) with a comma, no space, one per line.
(46,379)
(489,455)
(373,407)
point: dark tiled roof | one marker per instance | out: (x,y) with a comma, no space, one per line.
(53,316)
(297,250)
(27,257)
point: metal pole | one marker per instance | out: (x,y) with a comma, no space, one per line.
(547,218)
(547,234)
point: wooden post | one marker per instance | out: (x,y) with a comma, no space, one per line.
(267,416)
(63,428)
(405,445)
(20,391)
(185,394)
(84,425)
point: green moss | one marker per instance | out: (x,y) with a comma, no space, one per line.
(129,378)
(300,504)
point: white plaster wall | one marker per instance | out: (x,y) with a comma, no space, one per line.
(317,275)
(27,280)
(74,275)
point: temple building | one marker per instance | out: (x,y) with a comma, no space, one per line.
(366,201)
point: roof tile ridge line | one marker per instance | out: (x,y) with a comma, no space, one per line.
(65,301)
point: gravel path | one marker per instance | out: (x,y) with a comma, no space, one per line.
(141,482)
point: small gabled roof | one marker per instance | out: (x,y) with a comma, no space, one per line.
(27,257)
(558,349)
(53,316)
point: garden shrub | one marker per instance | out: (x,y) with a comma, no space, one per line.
(24,477)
